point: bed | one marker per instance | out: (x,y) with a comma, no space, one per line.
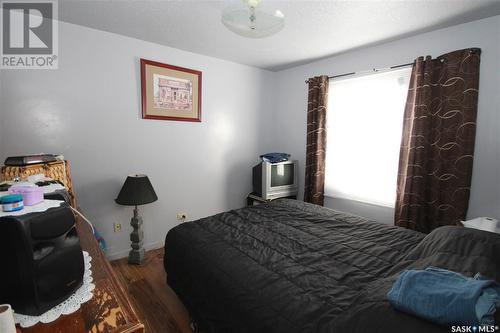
(289,266)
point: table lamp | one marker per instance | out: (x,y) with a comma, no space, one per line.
(137,190)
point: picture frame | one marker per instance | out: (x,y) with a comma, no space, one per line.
(170,92)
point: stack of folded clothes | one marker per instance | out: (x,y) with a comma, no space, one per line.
(275,157)
(446,297)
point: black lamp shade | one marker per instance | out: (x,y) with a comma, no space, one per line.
(137,190)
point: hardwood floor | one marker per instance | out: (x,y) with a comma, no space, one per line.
(157,306)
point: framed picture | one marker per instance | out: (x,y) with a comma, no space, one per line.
(170,92)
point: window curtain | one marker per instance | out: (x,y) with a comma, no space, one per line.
(437,146)
(316,140)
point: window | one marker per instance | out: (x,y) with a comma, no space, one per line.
(365,119)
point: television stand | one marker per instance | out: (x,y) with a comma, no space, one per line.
(254,199)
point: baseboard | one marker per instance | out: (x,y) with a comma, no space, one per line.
(124,253)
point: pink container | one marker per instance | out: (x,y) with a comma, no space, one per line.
(32,195)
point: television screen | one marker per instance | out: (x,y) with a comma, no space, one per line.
(282,174)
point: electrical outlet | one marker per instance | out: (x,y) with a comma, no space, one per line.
(117,227)
(181,217)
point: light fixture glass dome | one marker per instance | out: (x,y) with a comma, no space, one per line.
(252,22)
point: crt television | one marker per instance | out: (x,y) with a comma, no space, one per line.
(275,180)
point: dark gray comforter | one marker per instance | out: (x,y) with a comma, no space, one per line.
(289,266)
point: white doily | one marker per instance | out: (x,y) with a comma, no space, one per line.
(38,208)
(73,303)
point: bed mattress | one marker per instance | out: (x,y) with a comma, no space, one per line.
(289,266)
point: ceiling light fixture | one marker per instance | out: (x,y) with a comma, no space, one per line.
(251,22)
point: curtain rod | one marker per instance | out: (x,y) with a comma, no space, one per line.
(375,70)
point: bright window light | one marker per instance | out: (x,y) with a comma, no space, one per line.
(365,119)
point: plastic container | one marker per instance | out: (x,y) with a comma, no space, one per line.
(32,195)
(12,202)
(482,223)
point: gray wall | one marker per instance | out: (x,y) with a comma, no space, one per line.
(2,112)
(89,110)
(291,103)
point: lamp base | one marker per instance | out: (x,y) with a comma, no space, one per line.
(137,254)
(136,257)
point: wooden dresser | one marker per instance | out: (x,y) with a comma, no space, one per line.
(109,311)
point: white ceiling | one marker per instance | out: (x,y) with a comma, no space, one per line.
(313,29)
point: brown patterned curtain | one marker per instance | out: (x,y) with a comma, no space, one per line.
(437,147)
(316,140)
